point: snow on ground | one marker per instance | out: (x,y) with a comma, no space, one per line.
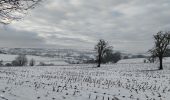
(135,60)
(140,60)
(85,82)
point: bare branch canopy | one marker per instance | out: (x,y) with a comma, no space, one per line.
(162,40)
(15,9)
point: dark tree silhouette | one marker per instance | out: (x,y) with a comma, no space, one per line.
(162,40)
(32,62)
(1,63)
(20,60)
(15,9)
(116,57)
(101,48)
(111,57)
(108,56)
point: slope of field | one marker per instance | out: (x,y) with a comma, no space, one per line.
(136,60)
(140,60)
(85,82)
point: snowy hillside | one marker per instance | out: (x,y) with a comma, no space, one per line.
(68,55)
(135,60)
(139,60)
(7,58)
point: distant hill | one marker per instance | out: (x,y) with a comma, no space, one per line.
(67,55)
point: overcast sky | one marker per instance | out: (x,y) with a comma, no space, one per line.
(128,25)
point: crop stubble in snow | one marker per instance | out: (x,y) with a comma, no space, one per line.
(83,82)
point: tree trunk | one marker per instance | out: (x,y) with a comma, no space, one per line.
(99,62)
(160,62)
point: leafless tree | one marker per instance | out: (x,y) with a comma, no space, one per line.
(101,48)
(15,9)
(1,63)
(162,40)
(32,62)
(20,60)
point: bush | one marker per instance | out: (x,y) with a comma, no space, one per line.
(20,60)
(111,57)
(8,64)
(41,64)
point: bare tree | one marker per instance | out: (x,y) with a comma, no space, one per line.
(32,62)
(20,60)
(162,40)
(101,48)
(15,9)
(1,63)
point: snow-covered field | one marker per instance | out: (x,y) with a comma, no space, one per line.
(140,60)
(135,60)
(84,82)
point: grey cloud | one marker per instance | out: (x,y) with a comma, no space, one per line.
(127,24)
(13,38)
